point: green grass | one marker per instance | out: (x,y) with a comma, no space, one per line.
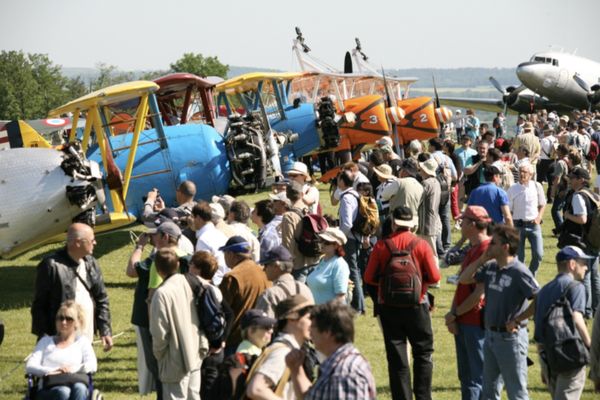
(117,369)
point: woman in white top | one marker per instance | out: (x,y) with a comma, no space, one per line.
(299,173)
(68,352)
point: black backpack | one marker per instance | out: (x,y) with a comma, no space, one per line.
(211,312)
(309,243)
(401,282)
(564,349)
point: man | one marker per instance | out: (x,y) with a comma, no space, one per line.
(491,197)
(237,218)
(357,177)
(269,232)
(278,266)
(345,373)
(527,203)
(241,286)
(349,203)
(472,125)
(72,273)
(299,173)
(474,171)
(184,196)
(176,339)
(165,236)
(291,229)
(571,263)
(218,220)
(577,213)
(459,123)
(430,225)
(270,379)
(547,145)
(508,287)
(209,238)
(498,124)
(595,354)
(412,323)
(281,204)
(531,142)
(465,317)
(520,124)
(406,191)
(392,159)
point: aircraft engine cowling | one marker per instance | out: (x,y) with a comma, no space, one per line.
(443,114)
(326,122)
(246,153)
(395,114)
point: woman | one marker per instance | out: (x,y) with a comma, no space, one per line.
(299,173)
(329,280)
(68,352)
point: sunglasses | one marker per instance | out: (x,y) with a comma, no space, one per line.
(62,318)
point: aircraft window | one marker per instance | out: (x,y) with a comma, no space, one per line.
(539,59)
(555,63)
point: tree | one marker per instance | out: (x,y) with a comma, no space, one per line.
(199,65)
(109,75)
(30,85)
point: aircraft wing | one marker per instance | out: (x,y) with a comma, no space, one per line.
(250,81)
(490,105)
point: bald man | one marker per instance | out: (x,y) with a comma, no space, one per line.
(72,273)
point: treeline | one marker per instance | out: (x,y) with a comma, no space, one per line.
(31,84)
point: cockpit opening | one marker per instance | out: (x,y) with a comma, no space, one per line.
(545,60)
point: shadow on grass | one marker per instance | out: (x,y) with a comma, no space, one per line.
(17,290)
(120,285)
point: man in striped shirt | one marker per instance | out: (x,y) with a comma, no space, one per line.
(345,373)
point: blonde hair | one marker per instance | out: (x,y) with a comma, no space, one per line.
(72,309)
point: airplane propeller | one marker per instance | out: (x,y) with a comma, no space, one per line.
(510,95)
(300,40)
(592,93)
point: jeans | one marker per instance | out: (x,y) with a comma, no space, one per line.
(469,357)
(352,257)
(591,281)
(77,391)
(557,205)
(533,233)
(505,362)
(412,324)
(444,241)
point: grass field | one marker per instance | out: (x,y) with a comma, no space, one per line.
(117,377)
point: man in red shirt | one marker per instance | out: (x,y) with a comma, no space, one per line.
(464,319)
(406,322)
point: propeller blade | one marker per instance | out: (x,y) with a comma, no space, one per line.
(582,84)
(512,96)
(348,63)
(437,98)
(497,85)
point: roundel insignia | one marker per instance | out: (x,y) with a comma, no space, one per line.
(55,121)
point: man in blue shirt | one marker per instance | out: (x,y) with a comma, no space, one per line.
(491,197)
(572,264)
(509,287)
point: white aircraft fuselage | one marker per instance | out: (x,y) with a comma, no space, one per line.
(550,74)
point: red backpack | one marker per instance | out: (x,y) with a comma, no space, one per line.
(309,243)
(401,282)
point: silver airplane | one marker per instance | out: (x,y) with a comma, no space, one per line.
(549,80)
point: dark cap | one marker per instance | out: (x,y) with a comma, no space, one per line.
(236,244)
(278,253)
(255,317)
(290,307)
(168,227)
(166,214)
(580,173)
(571,253)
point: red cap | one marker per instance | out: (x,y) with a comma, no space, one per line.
(476,213)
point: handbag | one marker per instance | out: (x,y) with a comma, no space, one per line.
(50,381)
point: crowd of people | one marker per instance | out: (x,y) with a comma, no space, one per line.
(285,299)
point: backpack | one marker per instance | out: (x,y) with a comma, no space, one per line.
(309,243)
(401,282)
(564,349)
(592,153)
(591,235)
(367,221)
(211,313)
(444,177)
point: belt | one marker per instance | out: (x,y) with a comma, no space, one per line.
(522,222)
(497,328)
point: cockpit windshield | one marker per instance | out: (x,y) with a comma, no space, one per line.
(545,60)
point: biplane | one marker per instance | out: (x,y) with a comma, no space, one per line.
(46,133)
(125,134)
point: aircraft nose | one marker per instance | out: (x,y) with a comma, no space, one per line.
(526,72)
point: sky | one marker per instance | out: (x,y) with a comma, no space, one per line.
(151,34)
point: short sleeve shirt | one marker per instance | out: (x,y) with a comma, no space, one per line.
(490,197)
(550,293)
(274,365)
(506,291)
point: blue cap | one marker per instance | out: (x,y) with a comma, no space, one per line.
(236,244)
(571,253)
(277,253)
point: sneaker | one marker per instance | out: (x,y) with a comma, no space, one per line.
(452,279)
(457,226)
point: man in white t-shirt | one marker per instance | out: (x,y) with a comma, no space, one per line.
(209,238)
(310,194)
(357,177)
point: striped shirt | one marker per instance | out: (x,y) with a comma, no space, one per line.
(345,374)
